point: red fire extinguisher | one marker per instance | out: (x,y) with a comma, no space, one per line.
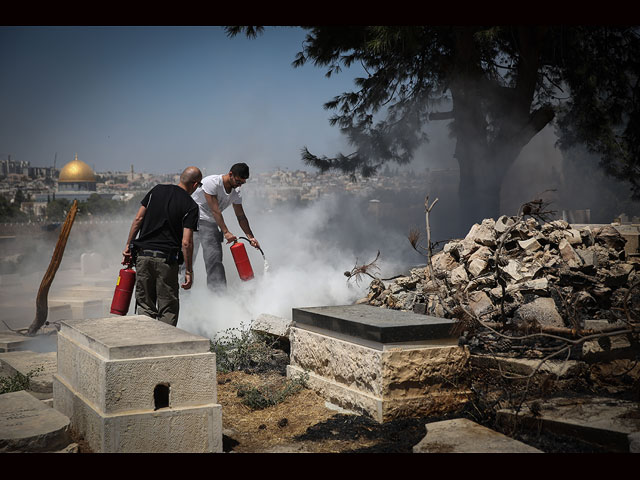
(124,288)
(241,260)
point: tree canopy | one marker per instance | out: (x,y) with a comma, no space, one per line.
(498,86)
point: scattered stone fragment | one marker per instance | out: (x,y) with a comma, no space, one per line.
(530,245)
(483,233)
(271,325)
(461,435)
(568,254)
(610,237)
(541,311)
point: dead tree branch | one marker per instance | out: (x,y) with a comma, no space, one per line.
(357,271)
(41,300)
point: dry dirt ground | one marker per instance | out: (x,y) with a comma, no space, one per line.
(302,423)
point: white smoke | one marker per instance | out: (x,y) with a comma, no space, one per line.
(307,250)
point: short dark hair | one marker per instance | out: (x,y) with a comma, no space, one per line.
(240,170)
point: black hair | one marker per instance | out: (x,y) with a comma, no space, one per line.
(240,170)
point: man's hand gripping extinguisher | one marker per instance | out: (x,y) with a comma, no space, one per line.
(124,287)
(241,259)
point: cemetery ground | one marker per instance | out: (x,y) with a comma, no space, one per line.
(266,412)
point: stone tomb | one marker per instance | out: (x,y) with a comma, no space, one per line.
(134,384)
(383,363)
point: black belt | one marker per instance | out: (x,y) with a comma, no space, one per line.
(153,253)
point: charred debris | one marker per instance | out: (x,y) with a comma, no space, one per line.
(527,287)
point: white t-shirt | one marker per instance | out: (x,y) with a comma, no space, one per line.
(213,186)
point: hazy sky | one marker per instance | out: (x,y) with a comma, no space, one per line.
(163,97)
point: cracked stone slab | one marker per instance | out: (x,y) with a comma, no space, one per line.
(461,435)
(28,425)
(609,423)
(372,323)
(26,361)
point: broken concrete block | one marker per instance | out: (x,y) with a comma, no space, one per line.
(477,266)
(28,425)
(444,262)
(483,233)
(461,435)
(530,245)
(568,254)
(513,270)
(573,236)
(542,311)
(482,253)
(271,325)
(538,286)
(588,257)
(480,303)
(408,282)
(610,237)
(503,223)
(459,275)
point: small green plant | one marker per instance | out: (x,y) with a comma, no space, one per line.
(239,348)
(265,396)
(18,381)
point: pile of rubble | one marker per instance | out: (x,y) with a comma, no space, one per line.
(516,270)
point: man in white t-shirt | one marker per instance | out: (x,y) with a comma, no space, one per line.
(216,193)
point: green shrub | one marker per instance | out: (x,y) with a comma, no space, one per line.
(18,381)
(239,348)
(265,396)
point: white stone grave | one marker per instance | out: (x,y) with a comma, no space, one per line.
(134,384)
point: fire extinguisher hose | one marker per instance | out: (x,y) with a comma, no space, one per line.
(245,238)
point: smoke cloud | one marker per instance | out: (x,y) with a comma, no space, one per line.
(307,250)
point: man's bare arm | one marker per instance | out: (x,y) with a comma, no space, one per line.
(135,228)
(187,252)
(243,221)
(212,201)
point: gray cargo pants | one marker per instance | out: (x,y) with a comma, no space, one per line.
(210,237)
(157,290)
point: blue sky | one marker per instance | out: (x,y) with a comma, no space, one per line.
(161,98)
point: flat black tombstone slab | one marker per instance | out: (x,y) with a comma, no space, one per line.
(373,323)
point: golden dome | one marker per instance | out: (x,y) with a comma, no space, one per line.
(76,171)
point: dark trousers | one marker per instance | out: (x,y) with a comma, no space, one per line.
(157,289)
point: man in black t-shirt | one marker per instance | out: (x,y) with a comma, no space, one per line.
(165,222)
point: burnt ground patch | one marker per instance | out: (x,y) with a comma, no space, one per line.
(396,436)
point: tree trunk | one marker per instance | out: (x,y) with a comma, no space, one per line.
(42,307)
(492,124)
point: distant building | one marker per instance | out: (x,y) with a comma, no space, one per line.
(76,176)
(76,181)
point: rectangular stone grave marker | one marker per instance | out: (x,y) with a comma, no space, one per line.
(383,363)
(28,425)
(134,384)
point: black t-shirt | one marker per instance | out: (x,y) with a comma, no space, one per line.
(169,210)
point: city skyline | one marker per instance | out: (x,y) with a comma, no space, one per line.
(160,98)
